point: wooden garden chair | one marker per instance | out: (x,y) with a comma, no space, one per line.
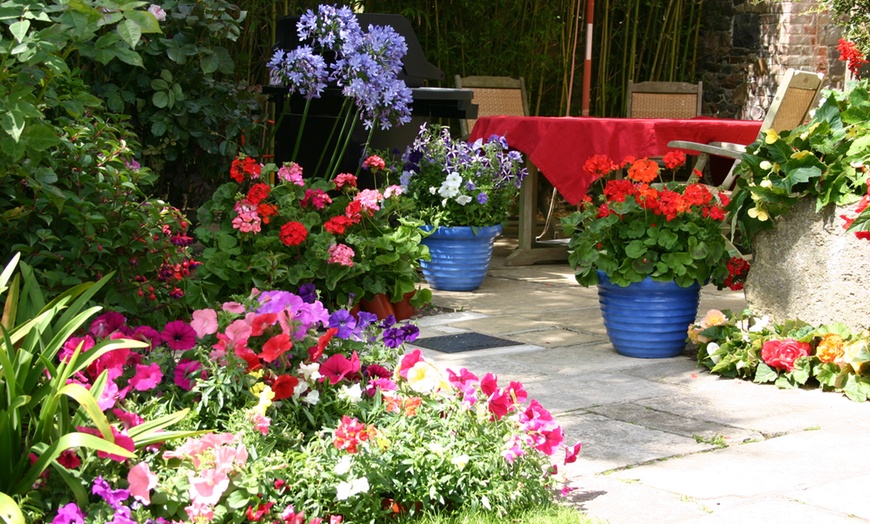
(790,106)
(664,99)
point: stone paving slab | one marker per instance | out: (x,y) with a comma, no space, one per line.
(651,428)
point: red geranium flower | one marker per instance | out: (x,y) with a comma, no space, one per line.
(258,193)
(293,233)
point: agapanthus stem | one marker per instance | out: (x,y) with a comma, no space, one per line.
(301,128)
(344,110)
(344,136)
(365,153)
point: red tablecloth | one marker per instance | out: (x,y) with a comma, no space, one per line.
(560,146)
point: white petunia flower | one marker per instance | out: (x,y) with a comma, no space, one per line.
(463,199)
(312,398)
(343,465)
(352,394)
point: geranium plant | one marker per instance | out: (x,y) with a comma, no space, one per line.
(638,228)
(270,228)
(456,183)
(789,354)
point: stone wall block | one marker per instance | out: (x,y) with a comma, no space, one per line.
(809,268)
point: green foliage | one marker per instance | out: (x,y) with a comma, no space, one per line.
(185,104)
(820,160)
(36,416)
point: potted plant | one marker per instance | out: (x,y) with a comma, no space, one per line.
(649,246)
(270,228)
(462,192)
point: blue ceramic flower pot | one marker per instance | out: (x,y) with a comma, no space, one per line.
(459,256)
(647,319)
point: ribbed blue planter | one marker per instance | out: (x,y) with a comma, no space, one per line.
(460,256)
(647,319)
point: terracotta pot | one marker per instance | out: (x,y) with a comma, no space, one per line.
(403,308)
(379,305)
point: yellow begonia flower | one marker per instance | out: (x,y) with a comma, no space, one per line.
(806,133)
(797,155)
(758,213)
(771,136)
(766,165)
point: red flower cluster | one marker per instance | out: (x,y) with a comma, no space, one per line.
(293,233)
(782,354)
(258,193)
(350,433)
(853,57)
(666,203)
(860,208)
(738,268)
(643,170)
(674,159)
(599,165)
(242,166)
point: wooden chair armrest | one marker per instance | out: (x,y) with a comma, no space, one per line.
(725,149)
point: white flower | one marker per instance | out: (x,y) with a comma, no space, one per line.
(766,165)
(423,377)
(463,199)
(453,179)
(436,448)
(352,394)
(460,461)
(343,465)
(157,11)
(433,190)
(310,371)
(712,348)
(300,388)
(448,190)
(312,398)
(760,324)
(346,490)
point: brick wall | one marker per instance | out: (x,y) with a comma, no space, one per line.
(747,47)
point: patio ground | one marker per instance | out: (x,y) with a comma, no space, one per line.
(664,441)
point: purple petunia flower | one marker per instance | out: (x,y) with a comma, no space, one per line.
(69,514)
(308,293)
(393,337)
(365,319)
(344,322)
(178,335)
(410,332)
(278,301)
(113,497)
(388,322)
(482,198)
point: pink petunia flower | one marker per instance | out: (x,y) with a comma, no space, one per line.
(178,335)
(146,377)
(572,452)
(142,481)
(233,307)
(204,322)
(128,420)
(337,367)
(408,362)
(72,343)
(183,371)
(105,324)
(121,439)
(148,335)
(489,384)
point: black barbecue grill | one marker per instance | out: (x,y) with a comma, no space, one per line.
(429,103)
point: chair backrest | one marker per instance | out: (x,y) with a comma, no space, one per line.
(793,100)
(664,99)
(494,96)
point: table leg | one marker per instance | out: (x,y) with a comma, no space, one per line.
(528,251)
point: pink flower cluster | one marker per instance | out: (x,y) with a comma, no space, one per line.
(247,219)
(292,173)
(215,458)
(341,254)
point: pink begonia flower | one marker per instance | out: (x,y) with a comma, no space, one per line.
(207,487)
(204,322)
(158,12)
(183,370)
(513,450)
(194,447)
(142,481)
(340,254)
(233,307)
(146,377)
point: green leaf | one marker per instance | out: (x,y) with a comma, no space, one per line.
(19,29)
(9,510)
(160,99)
(40,137)
(130,32)
(146,22)
(764,373)
(635,249)
(209,63)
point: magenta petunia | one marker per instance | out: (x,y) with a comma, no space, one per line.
(183,370)
(105,324)
(146,377)
(338,366)
(147,334)
(178,335)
